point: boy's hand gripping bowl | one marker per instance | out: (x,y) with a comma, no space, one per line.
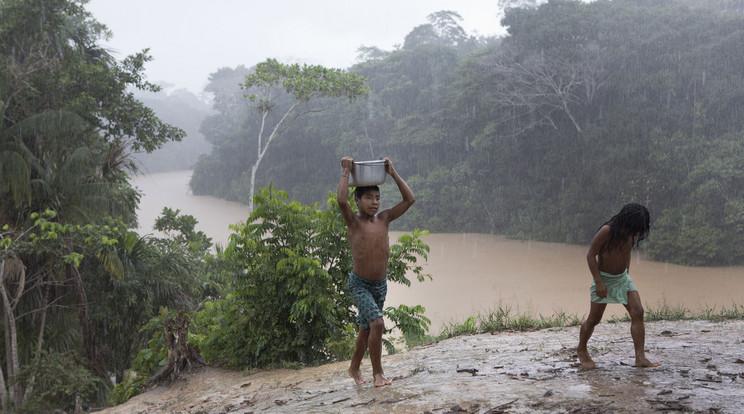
(366,173)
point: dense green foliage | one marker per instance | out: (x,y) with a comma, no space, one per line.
(543,134)
(284,273)
(86,290)
(76,283)
(61,378)
(152,356)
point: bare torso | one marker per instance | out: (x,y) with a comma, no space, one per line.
(616,260)
(370,247)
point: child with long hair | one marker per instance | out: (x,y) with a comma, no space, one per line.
(609,264)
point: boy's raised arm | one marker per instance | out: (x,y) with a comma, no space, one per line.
(405,192)
(342,192)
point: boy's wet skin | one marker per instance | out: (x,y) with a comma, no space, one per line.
(356,374)
(368,236)
(609,262)
(370,250)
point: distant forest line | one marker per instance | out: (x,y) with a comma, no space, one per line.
(542,134)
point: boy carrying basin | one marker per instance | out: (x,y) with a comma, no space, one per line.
(370,249)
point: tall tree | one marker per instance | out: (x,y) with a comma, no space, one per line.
(279,89)
(68,120)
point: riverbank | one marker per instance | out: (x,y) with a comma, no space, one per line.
(702,370)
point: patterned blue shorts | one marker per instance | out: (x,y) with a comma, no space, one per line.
(369,298)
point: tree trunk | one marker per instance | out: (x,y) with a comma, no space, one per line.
(11,341)
(3,392)
(254,168)
(567,110)
(78,405)
(181,356)
(39,343)
(3,389)
(262,151)
(369,142)
(89,344)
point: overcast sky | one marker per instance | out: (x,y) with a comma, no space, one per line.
(189,39)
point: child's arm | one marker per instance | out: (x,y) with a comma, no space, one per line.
(405,192)
(599,240)
(342,192)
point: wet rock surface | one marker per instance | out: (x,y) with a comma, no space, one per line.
(535,372)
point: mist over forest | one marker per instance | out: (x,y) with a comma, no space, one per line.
(542,134)
(185,110)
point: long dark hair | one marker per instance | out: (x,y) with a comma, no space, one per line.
(632,220)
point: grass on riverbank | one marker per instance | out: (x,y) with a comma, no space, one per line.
(502,319)
(680,313)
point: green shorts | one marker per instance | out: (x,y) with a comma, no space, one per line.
(369,298)
(617,286)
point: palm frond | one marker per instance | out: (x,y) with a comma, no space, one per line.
(16,178)
(111,263)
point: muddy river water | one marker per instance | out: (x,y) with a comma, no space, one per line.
(473,273)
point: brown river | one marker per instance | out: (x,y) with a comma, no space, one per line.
(473,273)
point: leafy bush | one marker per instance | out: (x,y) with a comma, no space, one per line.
(285,300)
(58,378)
(150,358)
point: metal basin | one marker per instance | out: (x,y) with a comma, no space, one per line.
(366,173)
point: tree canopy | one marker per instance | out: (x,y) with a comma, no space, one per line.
(75,282)
(542,134)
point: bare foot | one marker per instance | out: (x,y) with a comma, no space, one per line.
(586,360)
(645,363)
(381,381)
(357,376)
